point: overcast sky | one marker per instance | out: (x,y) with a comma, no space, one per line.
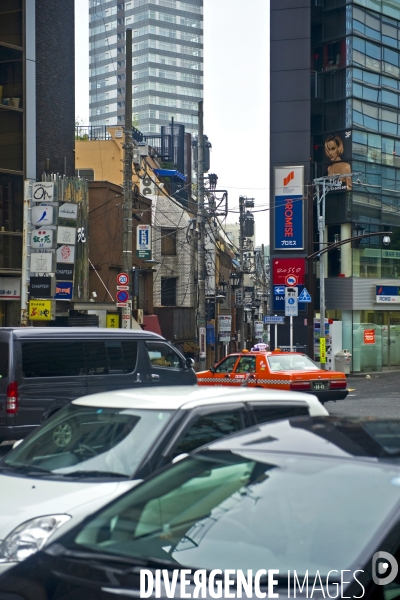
(236,97)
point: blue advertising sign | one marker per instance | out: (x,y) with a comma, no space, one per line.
(386,294)
(288,222)
(64,290)
(278,300)
(274,319)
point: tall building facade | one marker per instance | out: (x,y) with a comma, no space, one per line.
(37,118)
(167,62)
(335,100)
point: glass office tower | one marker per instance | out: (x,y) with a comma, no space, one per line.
(336,112)
(167,62)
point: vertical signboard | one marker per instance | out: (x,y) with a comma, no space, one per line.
(289,203)
(202,342)
(143,241)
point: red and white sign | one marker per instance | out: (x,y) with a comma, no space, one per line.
(122,278)
(282,267)
(369,336)
(291,280)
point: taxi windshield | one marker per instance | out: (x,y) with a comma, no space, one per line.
(291,362)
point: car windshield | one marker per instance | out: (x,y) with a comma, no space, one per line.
(250,510)
(291,362)
(82,439)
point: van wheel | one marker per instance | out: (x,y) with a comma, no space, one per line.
(64,433)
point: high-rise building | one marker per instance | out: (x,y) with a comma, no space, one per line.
(335,100)
(167,62)
(37,120)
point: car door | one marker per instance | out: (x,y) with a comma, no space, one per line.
(245,371)
(113,364)
(204,425)
(166,365)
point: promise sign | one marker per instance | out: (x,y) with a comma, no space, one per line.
(288,208)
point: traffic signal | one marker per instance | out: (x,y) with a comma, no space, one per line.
(135,281)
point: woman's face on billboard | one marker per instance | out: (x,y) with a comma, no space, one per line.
(332,150)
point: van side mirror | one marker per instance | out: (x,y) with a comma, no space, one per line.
(212,369)
(189,363)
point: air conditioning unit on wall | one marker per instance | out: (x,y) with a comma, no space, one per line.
(138,315)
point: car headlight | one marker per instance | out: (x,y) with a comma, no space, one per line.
(29,537)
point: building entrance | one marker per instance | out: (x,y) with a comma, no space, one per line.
(391,340)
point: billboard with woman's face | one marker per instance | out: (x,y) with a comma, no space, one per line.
(337,149)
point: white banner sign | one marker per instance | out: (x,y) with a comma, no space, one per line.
(66,235)
(42,238)
(258,328)
(43,191)
(41,262)
(66,254)
(10,288)
(42,215)
(68,210)
(225,323)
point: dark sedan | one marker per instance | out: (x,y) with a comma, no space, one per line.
(303,507)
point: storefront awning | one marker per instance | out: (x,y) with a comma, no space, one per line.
(151,323)
(169,173)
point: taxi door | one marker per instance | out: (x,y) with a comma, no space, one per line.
(223,372)
(245,371)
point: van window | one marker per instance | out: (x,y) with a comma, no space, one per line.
(52,359)
(96,358)
(130,354)
(3,360)
(162,355)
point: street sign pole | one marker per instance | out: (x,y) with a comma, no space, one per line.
(291,333)
(276,335)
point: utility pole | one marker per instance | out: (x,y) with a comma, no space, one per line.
(201,317)
(128,156)
(241,255)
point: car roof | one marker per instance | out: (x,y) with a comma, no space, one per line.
(336,437)
(190,396)
(78,332)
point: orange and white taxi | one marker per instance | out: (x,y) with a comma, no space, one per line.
(278,370)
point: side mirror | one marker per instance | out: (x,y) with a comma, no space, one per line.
(212,369)
(189,363)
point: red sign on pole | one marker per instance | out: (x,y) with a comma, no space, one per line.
(282,267)
(291,280)
(369,336)
(122,278)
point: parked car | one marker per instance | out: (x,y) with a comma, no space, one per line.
(99,446)
(314,499)
(44,368)
(276,370)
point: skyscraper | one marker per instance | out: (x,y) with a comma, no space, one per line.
(335,100)
(167,61)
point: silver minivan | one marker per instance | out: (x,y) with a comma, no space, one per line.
(44,368)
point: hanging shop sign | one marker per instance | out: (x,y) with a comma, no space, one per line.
(43,191)
(41,262)
(42,216)
(41,287)
(42,238)
(64,272)
(112,321)
(66,254)
(288,209)
(282,267)
(42,310)
(66,235)
(68,211)
(64,290)
(225,327)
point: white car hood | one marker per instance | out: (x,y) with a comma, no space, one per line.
(24,498)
